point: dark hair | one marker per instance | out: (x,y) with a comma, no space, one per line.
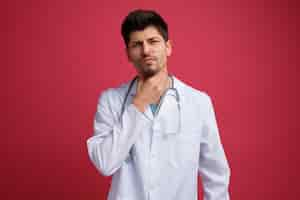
(139,19)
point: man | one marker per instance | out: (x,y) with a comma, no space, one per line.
(154,134)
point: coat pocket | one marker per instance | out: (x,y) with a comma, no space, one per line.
(186,149)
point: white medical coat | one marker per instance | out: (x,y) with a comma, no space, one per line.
(148,164)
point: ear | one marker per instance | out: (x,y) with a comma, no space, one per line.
(169,48)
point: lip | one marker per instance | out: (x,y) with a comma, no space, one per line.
(149,59)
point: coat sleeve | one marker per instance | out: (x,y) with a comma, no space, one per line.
(213,166)
(112,140)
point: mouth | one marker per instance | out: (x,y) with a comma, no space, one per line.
(148,60)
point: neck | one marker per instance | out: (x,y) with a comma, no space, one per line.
(167,83)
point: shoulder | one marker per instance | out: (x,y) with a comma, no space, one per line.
(113,93)
(113,96)
(111,99)
(196,105)
(192,95)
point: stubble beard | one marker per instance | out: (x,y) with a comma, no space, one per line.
(148,72)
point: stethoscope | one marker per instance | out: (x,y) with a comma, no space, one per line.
(172,90)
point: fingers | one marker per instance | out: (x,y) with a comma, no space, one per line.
(151,89)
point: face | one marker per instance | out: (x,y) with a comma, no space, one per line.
(148,51)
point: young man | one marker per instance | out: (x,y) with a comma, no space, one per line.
(154,134)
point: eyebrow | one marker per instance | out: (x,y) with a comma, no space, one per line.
(151,38)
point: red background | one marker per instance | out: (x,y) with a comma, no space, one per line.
(60,55)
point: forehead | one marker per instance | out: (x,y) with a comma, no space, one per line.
(148,32)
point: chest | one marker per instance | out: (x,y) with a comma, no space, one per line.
(173,139)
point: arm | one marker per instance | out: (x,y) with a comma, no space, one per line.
(113,139)
(213,166)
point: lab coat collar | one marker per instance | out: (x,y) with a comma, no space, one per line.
(132,92)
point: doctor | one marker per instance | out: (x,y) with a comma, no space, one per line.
(155,134)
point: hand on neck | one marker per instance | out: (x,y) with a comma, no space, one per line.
(150,90)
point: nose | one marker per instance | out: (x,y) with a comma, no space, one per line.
(146,48)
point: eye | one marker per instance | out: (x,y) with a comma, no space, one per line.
(134,45)
(154,41)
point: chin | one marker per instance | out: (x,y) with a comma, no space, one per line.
(149,72)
